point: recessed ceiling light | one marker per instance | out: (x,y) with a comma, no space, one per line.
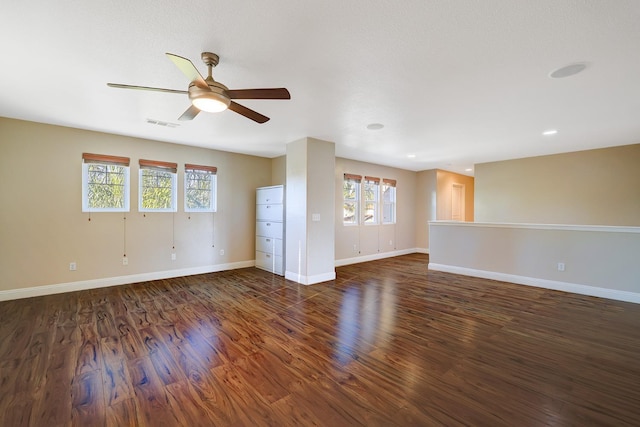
(468,169)
(411,156)
(375,126)
(549,132)
(568,70)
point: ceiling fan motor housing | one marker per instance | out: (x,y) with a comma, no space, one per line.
(215,92)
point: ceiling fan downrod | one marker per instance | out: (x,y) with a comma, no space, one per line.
(210,60)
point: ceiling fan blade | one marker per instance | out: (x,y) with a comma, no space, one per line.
(275,93)
(155,89)
(248,112)
(189,114)
(189,70)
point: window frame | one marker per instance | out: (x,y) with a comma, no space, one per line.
(389,183)
(356,179)
(369,180)
(108,161)
(211,172)
(158,167)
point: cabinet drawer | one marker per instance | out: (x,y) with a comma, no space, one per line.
(272,195)
(269,212)
(269,245)
(269,229)
(269,262)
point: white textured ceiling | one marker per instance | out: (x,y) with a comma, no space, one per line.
(454,82)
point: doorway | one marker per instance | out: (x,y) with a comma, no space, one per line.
(457,202)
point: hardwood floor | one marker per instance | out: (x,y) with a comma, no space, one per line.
(387,343)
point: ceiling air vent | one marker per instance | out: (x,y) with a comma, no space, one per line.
(161,123)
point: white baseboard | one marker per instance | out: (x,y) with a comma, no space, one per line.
(81,285)
(381,255)
(575,288)
(309,280)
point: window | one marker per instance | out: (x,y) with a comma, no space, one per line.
(199,188)
(371,195)
(388,201)
(351,195)
(105,183)
(157,186)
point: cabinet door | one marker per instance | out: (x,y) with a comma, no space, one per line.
(269,212)
(269,229)
(270,195)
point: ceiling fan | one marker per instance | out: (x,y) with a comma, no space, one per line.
(211,96)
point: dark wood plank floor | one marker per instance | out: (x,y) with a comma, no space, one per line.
(387,343)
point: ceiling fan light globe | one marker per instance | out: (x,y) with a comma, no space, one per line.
(211,102)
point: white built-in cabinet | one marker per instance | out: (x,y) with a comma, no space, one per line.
(270,229)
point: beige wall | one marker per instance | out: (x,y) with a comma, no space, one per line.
(371,240)
(42,228)
(445,181)
(587,187)
(279,170)
(425,206)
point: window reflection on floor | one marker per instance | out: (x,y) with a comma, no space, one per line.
(373,307)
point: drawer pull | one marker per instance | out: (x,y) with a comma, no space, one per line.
(268,224)
(267,240)
(268,256)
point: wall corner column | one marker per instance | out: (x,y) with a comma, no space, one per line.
(310,213)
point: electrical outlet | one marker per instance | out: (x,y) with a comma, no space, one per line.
(173,256)
(73,266)
(390,242)
(355,248)
(221,251)
(125,260)
(561,266)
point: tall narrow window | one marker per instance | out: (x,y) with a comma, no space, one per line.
(388,201)
(199,188)
(351,196)
(158,189)
(371,196)
(105,183)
